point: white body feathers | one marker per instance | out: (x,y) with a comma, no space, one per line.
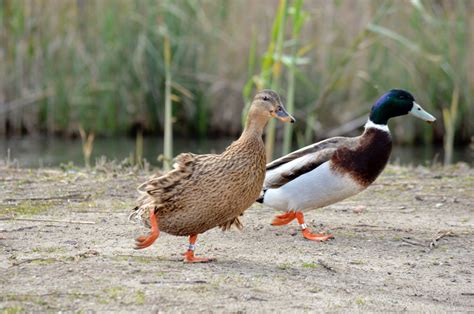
(320,187)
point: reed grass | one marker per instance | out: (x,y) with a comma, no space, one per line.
(298,17)
(87,139)
(274,61)
(168,132)
(101,65)
(450,116)
(139,149)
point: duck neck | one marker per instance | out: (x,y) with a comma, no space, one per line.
(254,127)
(379,126)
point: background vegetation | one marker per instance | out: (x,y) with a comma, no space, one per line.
(103,66)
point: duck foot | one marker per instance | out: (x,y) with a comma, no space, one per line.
(189,255)
(145,241)
(319,237)
(190,258)
(283,219)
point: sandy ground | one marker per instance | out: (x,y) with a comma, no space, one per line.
(380,259)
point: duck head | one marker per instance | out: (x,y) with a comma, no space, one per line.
(266,105)
(397,102)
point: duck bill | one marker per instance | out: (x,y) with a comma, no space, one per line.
(418,112)
(284,116)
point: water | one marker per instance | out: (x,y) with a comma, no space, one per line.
(49,152)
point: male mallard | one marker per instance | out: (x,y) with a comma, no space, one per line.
(334,169)
(205,191)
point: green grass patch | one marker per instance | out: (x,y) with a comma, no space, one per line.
(138,258)
(48,250)
(284,266)
(140,297)
(310,265)
(44,261)
(360,301)
(26,208)
(12,310)
(114,292)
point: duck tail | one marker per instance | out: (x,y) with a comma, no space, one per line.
(139,215)
(233,222)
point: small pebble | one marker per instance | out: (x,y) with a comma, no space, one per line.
(359,209)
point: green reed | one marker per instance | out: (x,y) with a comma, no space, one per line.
(168,132)
(298,17)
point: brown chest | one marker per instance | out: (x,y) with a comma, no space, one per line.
(367,160)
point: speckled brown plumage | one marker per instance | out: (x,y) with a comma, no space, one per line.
(206,191)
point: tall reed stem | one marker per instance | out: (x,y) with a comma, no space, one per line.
(87,145)
(279,29)
(450,116)
(168,137)
(297,22)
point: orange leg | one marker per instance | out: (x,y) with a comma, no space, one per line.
(307,234)
(284,219)
(189,255)
(145,241)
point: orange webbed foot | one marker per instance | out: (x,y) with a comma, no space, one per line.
(319,237)
(189,255)
(145,241)
(141,239)
(307,234)
(190,258)
(283,219)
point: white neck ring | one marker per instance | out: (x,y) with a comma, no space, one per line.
(382,127)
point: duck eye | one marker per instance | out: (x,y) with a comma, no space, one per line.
(266,98)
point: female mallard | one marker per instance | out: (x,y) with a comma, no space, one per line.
(334,169)
(205,191)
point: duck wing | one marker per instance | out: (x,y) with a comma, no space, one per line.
(299,162)
(163,186)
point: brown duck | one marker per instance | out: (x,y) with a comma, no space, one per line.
(206,191)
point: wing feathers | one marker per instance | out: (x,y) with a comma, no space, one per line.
(160,188)
(313,148)
(293,165)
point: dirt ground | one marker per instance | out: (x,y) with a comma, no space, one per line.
(66,245)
